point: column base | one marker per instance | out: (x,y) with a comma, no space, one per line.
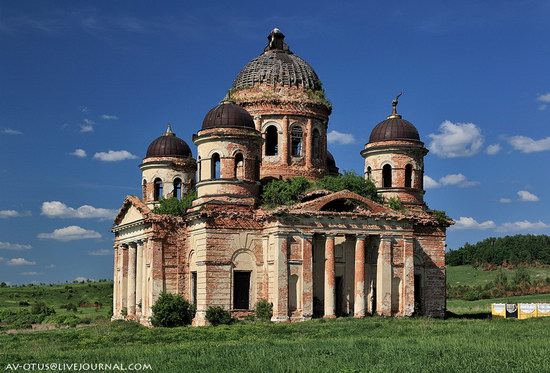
(279,318)
(329,316)
(200,319)
(359,316)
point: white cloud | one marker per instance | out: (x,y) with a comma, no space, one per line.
(4,214)
(82,279)
(14,246)
(114,156)
(430,183)
(80,153)
(526,196)
(493,149)
(456,140)
(85,128)
(527,145)
(109,117)
(83,109)
(505,200)
(470,223)
(20,262)
(56,209)
(70,233)
(544,98)
(522,225)
(101,252)
(10,131)
(458,180)
(31,273)
(335,137)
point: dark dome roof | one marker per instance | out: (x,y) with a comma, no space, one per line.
(228,115)
(331,163)
(168,145)
(278,65)
(394,127)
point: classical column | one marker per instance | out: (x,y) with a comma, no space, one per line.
(144,275)
(307,276)
(123,256)
(132,279)
(285,143)
(384,277)
(309,143)
(115,282)
(157,271)
(265,267)
(359,301)
(139,277)
(280,304)
(330,294)
(408,276)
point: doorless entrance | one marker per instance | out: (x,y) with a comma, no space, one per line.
(241,290)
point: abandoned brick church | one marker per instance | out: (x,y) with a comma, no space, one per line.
(330,254)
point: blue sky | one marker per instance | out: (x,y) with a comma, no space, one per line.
(86,86)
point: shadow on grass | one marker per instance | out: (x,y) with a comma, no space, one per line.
(472,316)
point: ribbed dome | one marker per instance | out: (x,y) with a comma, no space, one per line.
(394,127)
(278,66)
(168,145)
(228,115)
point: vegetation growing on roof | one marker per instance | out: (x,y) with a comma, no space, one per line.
(174,206)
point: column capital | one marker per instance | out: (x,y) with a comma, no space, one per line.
(307,236)
(124,246)
(132,244)
(361,237)
(386,238)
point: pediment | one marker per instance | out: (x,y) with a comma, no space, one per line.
(132,210)
(342,201)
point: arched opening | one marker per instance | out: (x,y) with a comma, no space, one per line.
(293,291)
(408,175)
(239,166)
(157,195)
(199,169)
(343,205)
(215,166)
(369,173)
(297,138)
(243,288)
(177,188)
(386,176)
(271,141)
(316,144)
(144,189)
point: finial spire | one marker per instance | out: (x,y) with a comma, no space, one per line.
(227,98)
(169,131)
(276,41)
(394,104)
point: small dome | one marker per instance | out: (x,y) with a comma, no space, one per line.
(331,164)
(168,145)
(394,127)
(228,115)
(278,66)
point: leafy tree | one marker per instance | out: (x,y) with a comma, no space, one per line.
(41,308)
(351,181)
(174,206)
(521,277)
(501,280)
(285,192)
(172,310)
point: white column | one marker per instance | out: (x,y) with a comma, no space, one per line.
(132,279)
(123,278)
(139,278)
(330,294)
(144,276)
(384,277)
(116,303)
(359,300)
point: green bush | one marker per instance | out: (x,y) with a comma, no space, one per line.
(263,310)
(218,316)
(41,308)
(501,281)
(394,203)
(174,206)
(69,307)
(351,181)
(172,310)
(24,303)
(521,277)
(284,192)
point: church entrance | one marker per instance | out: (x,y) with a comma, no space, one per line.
(418,294)
(339,290)
(241,290)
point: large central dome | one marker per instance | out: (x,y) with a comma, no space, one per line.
(278,66)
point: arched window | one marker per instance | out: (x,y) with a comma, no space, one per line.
(369,173)
(199,169)
(158,189)
(316,144)
(386,176)
(177,188)
(297,136)
(271,141)
(144,189)
(408,175)
(239,166)
(215,166)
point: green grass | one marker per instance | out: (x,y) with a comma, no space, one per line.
(464,307)
(342,345)
(468,275)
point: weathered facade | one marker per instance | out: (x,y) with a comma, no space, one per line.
(331,254)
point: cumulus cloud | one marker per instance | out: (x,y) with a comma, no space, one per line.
(526,196)
(458,180)
(505,200)
(470,223)
(114,156)
(340,138)
(10,131)
(493,149)
(56,209)
(109,117)
(14,246)
(526,144)
(70,233)
(20,262)
(101,252)
(522,226)
(430,183)
(85,128)
(80,153)
(4,214)
(456,140)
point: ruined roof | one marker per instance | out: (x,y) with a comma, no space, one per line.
(168,145)
(228,115)
(277,65)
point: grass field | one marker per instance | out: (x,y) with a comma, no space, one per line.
(477,307)
(468,275)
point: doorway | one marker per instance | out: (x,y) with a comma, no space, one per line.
(241,290)
(418,294)
(339,290)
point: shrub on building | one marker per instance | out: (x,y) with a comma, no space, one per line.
(284,192)
(263,310)
(218,315)
(172,310)
(351,181)
(174,206)
(394,203)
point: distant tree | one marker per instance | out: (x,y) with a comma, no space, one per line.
(501,280)
(3,285)
(521,277)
